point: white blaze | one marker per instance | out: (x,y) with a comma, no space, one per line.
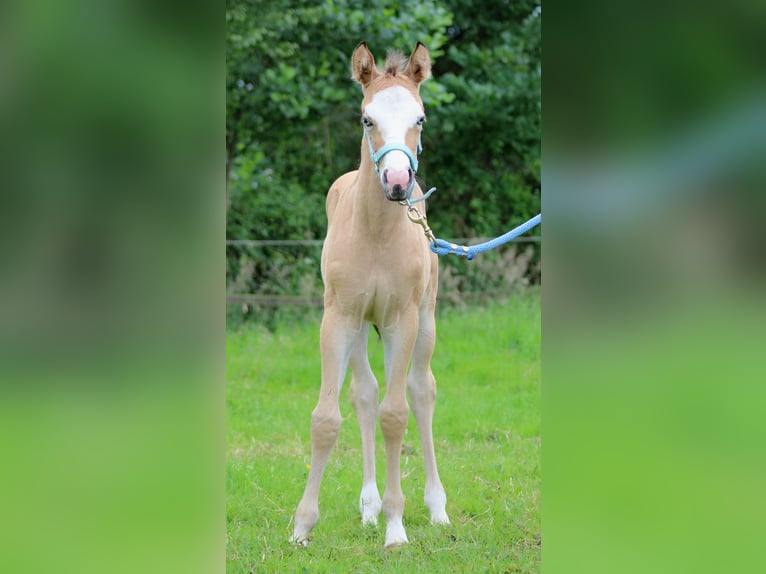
(394,110)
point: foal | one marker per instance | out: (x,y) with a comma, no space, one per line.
(377,268)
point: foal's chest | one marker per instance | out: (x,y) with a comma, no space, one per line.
(373,284)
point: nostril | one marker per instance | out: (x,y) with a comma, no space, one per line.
(385,175)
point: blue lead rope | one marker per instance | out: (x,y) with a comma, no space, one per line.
(419,199)
(441,247)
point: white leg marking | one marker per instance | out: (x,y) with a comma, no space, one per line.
(370,504)
(395,534)
(436,502)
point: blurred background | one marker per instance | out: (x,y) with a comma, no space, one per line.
(293,126)
(126,165)
(654,300)
(111,340)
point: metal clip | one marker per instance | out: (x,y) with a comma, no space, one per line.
(416,217)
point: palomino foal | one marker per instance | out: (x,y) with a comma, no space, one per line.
(377,268)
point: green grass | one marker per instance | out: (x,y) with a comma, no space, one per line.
(486,430)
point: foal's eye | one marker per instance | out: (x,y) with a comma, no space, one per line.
(421,120)
(366,122)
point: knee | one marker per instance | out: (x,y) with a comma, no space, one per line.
(325,426)
(393,420)
(364,394)
(422,388)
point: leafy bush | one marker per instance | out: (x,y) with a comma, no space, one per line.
(292,123)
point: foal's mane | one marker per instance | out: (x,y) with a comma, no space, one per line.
(395,62)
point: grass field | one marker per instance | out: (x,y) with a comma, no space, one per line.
(486,430)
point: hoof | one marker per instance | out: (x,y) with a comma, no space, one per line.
(305,518)
(397,543)
(396,535)
(440,518)
(299,540)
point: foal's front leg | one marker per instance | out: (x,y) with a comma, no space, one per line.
(335,345)
(394,411)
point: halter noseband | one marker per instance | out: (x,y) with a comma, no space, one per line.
(376,156)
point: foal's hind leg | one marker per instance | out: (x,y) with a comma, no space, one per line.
(364,396)
(335,344)
(422,392)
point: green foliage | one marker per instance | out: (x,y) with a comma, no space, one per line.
(290,99)
(492,67)
(292,115)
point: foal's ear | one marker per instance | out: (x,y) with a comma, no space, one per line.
(419,67)
(363,68)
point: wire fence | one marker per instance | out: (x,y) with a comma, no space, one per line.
(320,242)
(493,272)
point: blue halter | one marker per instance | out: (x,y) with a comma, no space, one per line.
(376,156)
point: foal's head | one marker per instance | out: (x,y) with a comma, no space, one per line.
(392,114)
